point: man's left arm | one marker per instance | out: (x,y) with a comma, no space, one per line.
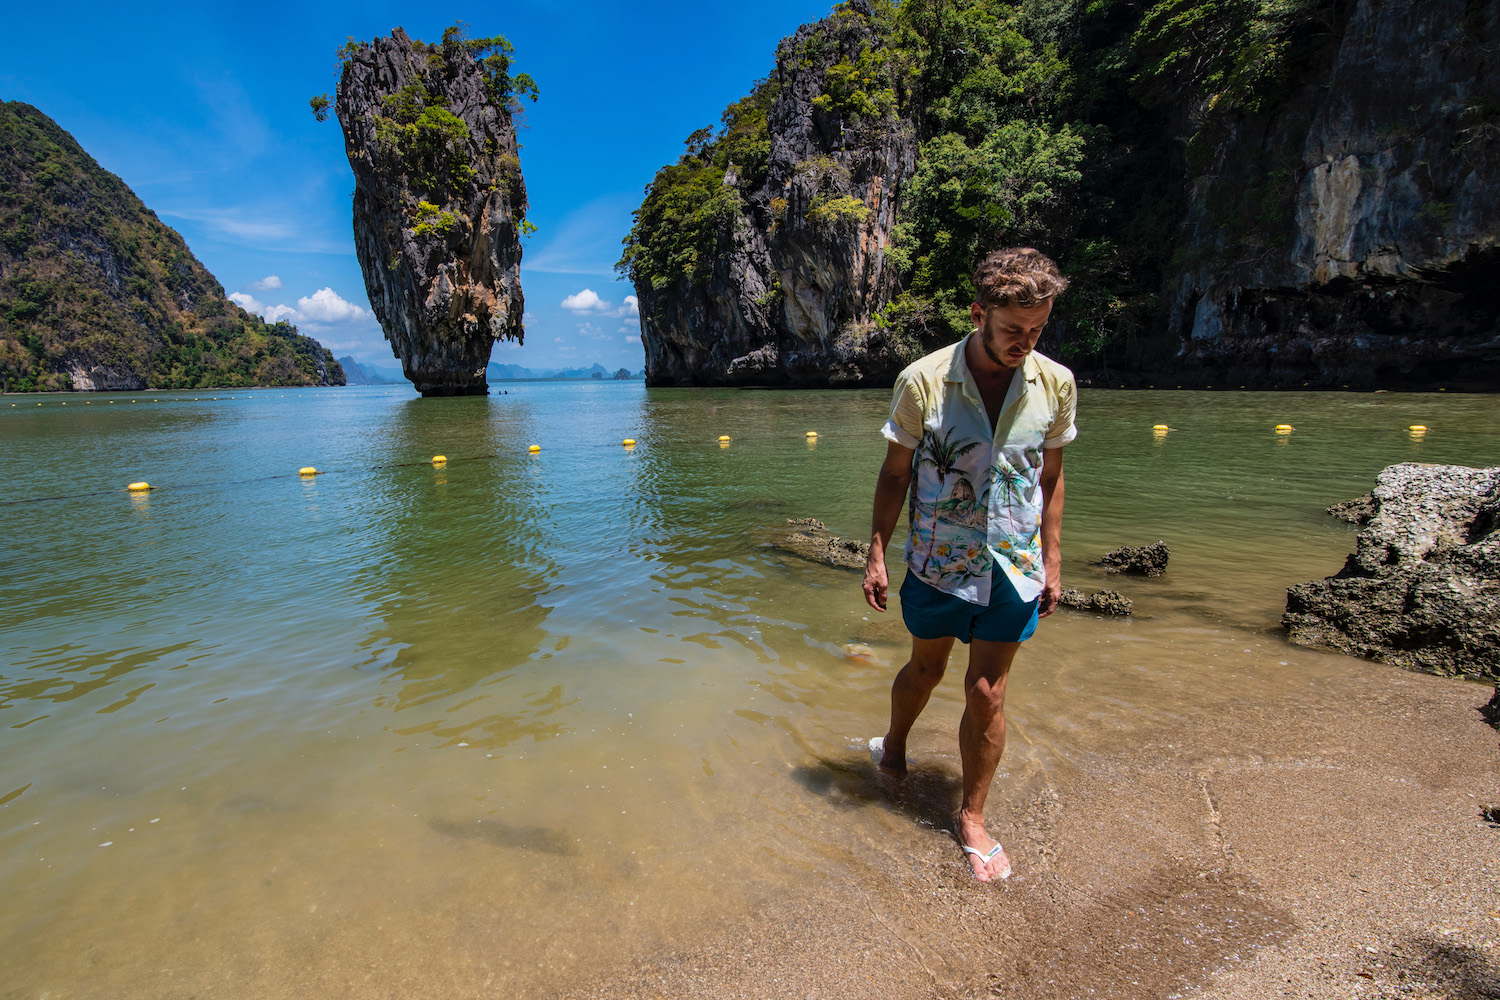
(1052,511)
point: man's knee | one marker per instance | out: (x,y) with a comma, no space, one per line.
(985,697)
(929,661)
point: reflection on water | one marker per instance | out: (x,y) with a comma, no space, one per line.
(461,588)
(411,726)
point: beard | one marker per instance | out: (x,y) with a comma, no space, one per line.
(989,351)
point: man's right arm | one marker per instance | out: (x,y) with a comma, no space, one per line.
(890,496)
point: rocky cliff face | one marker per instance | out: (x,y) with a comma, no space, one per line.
(96,293)
(796,282)
(438,203)
(1343,234)
(1350,239)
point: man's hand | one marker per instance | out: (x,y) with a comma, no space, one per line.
(1051,594)
(877,584)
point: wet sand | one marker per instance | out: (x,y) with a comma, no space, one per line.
(1317,841)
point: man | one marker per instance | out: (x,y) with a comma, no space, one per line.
(980,427)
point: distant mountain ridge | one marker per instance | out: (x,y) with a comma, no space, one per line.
(370,374)
(98,293)
(503,373)
(358,374)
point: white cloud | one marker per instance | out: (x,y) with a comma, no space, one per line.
(633,340)
(588,301)
(326,306)
(323,306)
(266,284)
(246,302)
(585,301)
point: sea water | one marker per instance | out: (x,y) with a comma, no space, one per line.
(412,727)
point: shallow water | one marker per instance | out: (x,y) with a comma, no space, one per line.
(415,729)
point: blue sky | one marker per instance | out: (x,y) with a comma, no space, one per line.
(202,110)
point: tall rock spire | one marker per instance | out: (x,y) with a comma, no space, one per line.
(439,201)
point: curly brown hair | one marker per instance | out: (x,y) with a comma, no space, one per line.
(1017,276)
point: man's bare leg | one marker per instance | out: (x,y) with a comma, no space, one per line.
(981,741)
(909,693)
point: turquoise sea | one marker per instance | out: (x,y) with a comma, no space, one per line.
(413,726)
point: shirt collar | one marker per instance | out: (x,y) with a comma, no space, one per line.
(958,370)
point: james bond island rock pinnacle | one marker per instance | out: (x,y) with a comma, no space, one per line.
(439,201)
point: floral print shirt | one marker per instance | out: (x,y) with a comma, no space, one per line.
(976,496)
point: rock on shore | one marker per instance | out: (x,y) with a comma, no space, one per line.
(1107,602)
(810,539)
(1422,587)
(1142,560)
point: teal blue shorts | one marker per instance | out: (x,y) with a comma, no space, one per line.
(931,614)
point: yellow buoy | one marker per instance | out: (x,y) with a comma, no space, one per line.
(811,434)
(1417,427)
(723,437)
(1284,428)
(1160,427)
(628,442)
(138,487)
(307,470)
(439,459)
(534,448)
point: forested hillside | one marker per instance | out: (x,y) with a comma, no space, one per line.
(1188,162)
(97,293)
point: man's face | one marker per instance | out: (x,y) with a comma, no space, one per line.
(1008,333)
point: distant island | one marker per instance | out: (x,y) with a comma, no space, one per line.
(97,293)
(369,374)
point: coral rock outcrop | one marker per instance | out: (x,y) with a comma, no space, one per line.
(1422,587)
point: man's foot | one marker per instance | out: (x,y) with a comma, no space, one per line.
(890,758)
(987,859)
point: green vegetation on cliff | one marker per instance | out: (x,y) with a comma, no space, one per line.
(95,291)
(1071,125)
(424,143)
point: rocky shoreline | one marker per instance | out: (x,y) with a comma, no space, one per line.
(1422,588)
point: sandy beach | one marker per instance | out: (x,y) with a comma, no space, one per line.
(1318,839)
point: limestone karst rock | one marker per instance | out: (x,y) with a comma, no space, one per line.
(1310,204)
(1422,587)
(98,294)
(1367,254)
(791,295)
(439,202)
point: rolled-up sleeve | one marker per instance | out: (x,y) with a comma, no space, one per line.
(905,424)
(1063,428)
